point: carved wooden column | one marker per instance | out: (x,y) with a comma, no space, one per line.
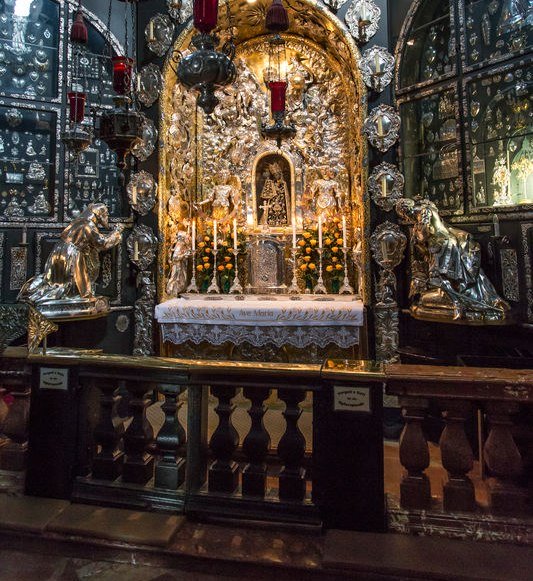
(415,490)
(256,444)
(107,464)
(457,457)
(224,472)
(138,463)
(291,448)
(503,459)
(170,470)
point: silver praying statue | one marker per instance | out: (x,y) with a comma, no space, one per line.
(65,289)
(447,281)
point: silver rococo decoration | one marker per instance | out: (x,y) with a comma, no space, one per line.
(334,4)
(145,146)
(158,34)
(144,315)
(385,185)
(149,84)
(388,245)
(142,246)
(142,192)
(377,66)
(362,19)
(179,10)
(382,127)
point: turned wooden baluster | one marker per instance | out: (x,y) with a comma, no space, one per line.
(415,490)
(15,428)
(224,472)
(171,440)
(256,444)
(138,464)
(503,460)
(107,464)
(457,457)
(291,448)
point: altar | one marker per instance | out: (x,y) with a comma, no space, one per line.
(288,328)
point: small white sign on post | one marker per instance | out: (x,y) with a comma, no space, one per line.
(54,378)
(351,399)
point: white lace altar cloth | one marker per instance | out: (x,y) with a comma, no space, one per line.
(260,320)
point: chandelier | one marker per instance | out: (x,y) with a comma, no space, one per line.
(207,69)
(277,21)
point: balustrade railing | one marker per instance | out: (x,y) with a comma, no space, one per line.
(490,399)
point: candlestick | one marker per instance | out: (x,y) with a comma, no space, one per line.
(294,289)
(294,231)
(344,229)
(24,235)
(320,232)
(235,234)
(213,287)
(346,287)
(215,233)
(193,285)
(236,287)
(384,188)
(320,287)
(496,224)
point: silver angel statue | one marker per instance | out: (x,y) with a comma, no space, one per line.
(447,281)
(224,200)
(177,281)
(65,289)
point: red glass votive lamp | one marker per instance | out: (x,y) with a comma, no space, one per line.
(77,106)
(278,89)
(122,67)
(205,15)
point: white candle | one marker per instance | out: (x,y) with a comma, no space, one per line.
(193,235)
(151,31)
(135,250)
(134,195)
(294,232)
(320,231)
(377,64)
(344,241)
(235,234)
(215,234)
(380,126)
(384,186)
(24,235)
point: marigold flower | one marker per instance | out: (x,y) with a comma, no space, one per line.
(201,244)
(227,258)
(308,250)
(338,266)
(334,259)
(307,258)
(339,241)
(307,235)
(312,266)
(207,238)
(301,242)
(224,243)
(335,249)
(208,250)
(329,268)
(200,267)
(313,242)
(303,266)
(327,241)
(220,267)
(229,266)
(205,258)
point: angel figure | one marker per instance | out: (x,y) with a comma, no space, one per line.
(179,257)
(225,197)
(325,195)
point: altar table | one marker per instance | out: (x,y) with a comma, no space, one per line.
(302,321)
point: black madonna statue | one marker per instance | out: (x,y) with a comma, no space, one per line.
(447,282)
(65,289)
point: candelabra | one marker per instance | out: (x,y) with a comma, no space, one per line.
(294,288)
(213,287)
(346,287)
(236,287)
(193,286)
(320,288)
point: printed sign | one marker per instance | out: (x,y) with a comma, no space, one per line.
(54,378)
(351,399)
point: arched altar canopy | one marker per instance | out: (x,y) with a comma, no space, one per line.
(207,162)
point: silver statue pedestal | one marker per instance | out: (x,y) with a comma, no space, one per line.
(74,309)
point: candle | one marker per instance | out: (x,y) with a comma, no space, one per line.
(380,126)
(193,236)
(320,231)
(151,36)
(134,194)
(384,185)
(278,91)
(294,232)
(24,235)
(496,224)
(76,106)
(384,249)
(135,250)
(377,64)
(344,240)
(235,234)
(122,69)
(215,234)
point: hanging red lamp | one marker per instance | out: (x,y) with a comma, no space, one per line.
(76,102)
(122,71)
(205,14)
(278,90)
